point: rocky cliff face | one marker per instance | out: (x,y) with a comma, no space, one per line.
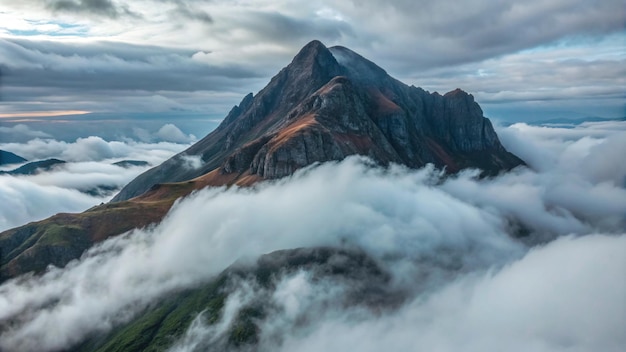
(331,103)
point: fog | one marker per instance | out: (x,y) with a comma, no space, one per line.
(447,242)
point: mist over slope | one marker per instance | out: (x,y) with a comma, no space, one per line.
(447,244)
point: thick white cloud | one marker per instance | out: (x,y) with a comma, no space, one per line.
(93,149)
(567,296)
(500,294)
(22,201)
(590,148)
(87,179)
(170,133)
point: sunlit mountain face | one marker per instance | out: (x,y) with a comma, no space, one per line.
(193,176)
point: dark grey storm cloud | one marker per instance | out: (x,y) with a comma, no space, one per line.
(446,32)
(109,76)
(291,30)
(110,65)
(106,8)
(186,10)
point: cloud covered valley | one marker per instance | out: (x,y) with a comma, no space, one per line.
(88,177)
(390,259)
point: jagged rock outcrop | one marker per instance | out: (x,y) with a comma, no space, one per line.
(329,103)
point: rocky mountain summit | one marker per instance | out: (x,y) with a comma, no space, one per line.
(329,103)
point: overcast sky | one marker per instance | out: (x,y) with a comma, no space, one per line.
(522,60)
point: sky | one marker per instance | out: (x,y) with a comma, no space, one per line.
(193,59)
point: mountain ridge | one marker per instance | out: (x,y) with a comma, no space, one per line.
(7,157)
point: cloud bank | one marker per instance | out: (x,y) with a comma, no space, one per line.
(446,242)
(566,296)
(87,179)
(171,133)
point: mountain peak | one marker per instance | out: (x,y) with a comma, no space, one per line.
(315,59)
(327,104)
(311,48)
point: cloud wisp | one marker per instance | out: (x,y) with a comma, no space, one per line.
(445,241)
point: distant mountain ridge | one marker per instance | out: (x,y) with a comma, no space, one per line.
(35,167)
(564,122)
(10,158)
(329,103)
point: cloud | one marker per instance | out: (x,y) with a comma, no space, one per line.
(375,211)
(106,8)
(567,296)
(445,242)
(569,148)
(23,131)
(450,35)
(119,66)
(171,133)
(135,78)
(200,334)
(23,201)
(93,149)
(88,179)
(192,162)
(186,10)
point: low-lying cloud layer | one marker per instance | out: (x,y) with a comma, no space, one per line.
(446,242)
(566,296)
(87,179)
